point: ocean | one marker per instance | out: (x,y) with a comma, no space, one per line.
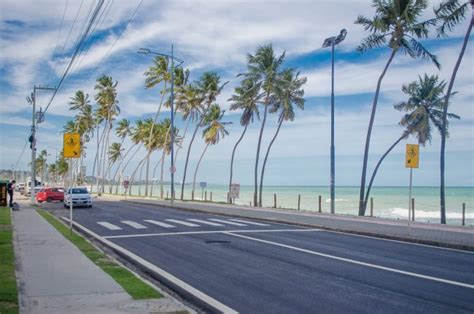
(389,202)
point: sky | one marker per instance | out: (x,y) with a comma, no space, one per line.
(37,39)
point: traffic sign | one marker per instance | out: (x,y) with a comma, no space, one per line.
(71,145)
(412,156)
(173,169)
(126,183)
(203,184)
(234,190)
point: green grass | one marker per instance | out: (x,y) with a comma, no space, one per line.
(137,288)
(8,288)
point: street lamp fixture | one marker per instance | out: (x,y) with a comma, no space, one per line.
(331,42)
(173,66)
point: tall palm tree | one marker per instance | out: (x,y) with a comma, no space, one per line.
(244,98)
(158,73)
(122,130)
(396,25)
(106,98)
(451,12)
(115,153)
(214,130)
(208,88)
(288,92)
(425,111)
(263,68)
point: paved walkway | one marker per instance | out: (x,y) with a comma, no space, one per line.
(55,277)
(436,234)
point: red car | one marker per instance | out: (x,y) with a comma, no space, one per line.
(50,194)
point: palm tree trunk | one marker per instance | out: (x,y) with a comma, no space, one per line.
(96,161)
(369,133)
(154,172)
(369,187)
(197,167)
(265,160)
(162,171)
(106,160)
(132,177)
(179,147)
(140,179)
(232,158)
(146,174)
(258,153)
(445,122)
(188,153)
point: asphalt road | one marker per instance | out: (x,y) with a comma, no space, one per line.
(256,267)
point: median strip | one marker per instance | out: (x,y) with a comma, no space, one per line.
(8,287)
(137,288)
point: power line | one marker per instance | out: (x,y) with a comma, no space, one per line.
(78,47)
(21,154)
(60,28)
(72,26)
(116,40)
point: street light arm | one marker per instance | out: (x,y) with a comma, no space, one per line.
(146,51)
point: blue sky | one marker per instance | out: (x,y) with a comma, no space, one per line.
(217,35)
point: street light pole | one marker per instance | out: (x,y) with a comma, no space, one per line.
(332,41)
(172,58)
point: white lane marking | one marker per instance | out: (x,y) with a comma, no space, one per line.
(205,222)
(250,222)
(109,225)
(204,232)
(180,283)
(133,224)
(158,223)
(184,223)
(228,222)
(348,260)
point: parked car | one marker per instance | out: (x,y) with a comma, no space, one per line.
(79,197)
(50,194)
(28,192)
(19,186)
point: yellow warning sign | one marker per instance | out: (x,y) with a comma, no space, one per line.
(72,145)
(412,157)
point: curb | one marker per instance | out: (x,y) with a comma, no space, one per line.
(439,244)
(184,290)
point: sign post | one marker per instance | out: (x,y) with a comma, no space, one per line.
(203,185)
(71,149)
(412,160)
(234,191)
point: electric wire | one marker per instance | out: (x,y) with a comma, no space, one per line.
(72,26)
(78,47)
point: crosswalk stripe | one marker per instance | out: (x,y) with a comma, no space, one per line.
(250,222)
(109,225)
(161,224)
(133,224)
(206,222)
(184,223)
(228,222)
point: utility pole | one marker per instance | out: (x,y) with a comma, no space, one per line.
(331,42)
(36,117)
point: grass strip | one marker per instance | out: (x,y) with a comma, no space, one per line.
(8,288)
(137,288)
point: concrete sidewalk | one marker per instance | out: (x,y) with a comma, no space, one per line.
(56,277)
(428,233)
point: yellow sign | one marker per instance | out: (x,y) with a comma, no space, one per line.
(72,145)
(412,157)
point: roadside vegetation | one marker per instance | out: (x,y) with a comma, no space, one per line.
(8,286)
(266,86)
(137,288)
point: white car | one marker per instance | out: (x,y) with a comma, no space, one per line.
(80,197)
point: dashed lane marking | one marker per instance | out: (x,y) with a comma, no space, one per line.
(133,224)
(250,222)
(161,224)
(184,223)
(228,222)
(109,225)
(206,222)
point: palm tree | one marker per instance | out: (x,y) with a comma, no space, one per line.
(451,12)
(425,111)
(156,74)
(244,98)
(165,145)
(263,68)
(395,24)
(208,89)
(287,93)
(122,130)
(115,153)
(215,129)
(106,98)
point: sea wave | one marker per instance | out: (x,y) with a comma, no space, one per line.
(336,200)
(403,212)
